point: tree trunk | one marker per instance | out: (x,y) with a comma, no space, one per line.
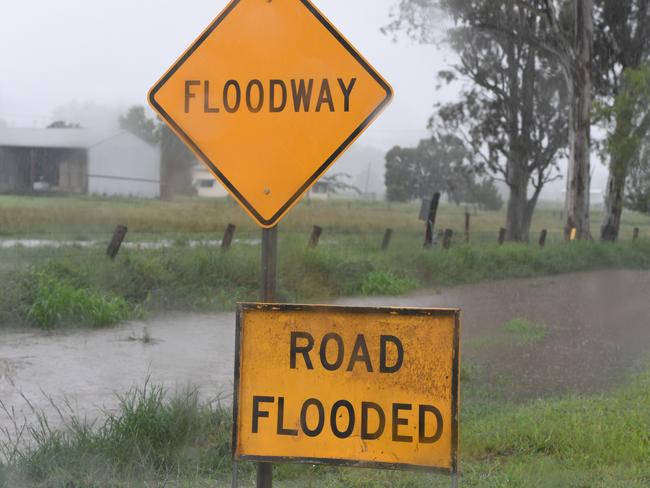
(579,178)
(614,201)
(516,229)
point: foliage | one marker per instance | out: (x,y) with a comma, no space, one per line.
(437,165)
(176,159)
(511,122)
(50,300)
(179,440)
(137,123)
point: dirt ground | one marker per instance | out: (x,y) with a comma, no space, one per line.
(597,335)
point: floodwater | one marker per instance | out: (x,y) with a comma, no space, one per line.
(161,244)
(598,335)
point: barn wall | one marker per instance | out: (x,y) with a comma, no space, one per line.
(124,165)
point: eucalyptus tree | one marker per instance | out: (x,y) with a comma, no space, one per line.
(558,31)
(622,82)
(513,115)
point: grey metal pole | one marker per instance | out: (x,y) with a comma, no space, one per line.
(454,480)
(267,295)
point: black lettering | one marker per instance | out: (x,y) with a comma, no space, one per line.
(260,100)
(342,434)
(257,414)
(277,108)
(383,366)
(301,95)
(303,418)
(339,353)
(422,424)
(397,421)
(281,429)
(325,96)
(304,350)
(188,93)
(347,91)
(226,103)
(365,409)
(206,100)
(360,353)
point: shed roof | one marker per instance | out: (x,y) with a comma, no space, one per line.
(55,138)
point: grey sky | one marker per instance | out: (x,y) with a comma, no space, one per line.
(110,53)
(59,58)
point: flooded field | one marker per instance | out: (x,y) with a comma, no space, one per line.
(590,332)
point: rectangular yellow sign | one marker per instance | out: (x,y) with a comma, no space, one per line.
(374,387)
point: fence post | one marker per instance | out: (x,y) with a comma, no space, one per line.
(386,242)
(116,241)
(635,235)
(228,237)
(542,238)
(502,236)
(315,236)
(467,223)
(446,240)
(431,220)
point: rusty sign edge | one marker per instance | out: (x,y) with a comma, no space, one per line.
(404,311)
(345,145)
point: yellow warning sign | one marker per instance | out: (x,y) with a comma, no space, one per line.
(344,385)
(268,97)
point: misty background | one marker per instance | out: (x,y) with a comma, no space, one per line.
(106,59)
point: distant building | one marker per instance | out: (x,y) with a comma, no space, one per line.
(206,184)
(78,161)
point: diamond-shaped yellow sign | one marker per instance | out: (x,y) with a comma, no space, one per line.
(268,97)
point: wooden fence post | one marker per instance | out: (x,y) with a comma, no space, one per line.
(431,220)
(542,238)
(446,240)
(228,237)
(502,236)
(315,236)
(467,222)
(116,241)
(386,242)
(635,235)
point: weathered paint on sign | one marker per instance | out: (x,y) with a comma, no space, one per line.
(345,385)
(268,97)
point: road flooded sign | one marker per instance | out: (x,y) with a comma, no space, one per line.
(268,97)
(375,387)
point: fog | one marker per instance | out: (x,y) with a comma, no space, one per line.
(80,62)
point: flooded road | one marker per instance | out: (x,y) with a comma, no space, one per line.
(597,334)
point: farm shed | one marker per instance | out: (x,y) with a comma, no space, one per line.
(86,161)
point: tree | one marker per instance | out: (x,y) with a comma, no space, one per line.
(621,49)
(137,123)
(561,30)
(176,160)
(62,124)
(436,165)
(638,183)
(512,119)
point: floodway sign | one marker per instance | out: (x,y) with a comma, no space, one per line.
(375,387)
(268,97)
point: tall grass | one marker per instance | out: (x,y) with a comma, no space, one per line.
(95,291)
(160,440)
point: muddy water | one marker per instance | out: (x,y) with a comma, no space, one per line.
(598,334)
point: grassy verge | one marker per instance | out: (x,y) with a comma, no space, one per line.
(599,441)
(91,290)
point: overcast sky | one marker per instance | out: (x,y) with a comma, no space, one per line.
(60,56)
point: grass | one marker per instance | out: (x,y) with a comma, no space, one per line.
(597,441)
(91,290)
(525,331)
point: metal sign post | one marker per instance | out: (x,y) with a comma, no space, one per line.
(267,295)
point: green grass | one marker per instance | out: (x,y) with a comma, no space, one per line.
(525,331)
(596,441)
(90,289)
